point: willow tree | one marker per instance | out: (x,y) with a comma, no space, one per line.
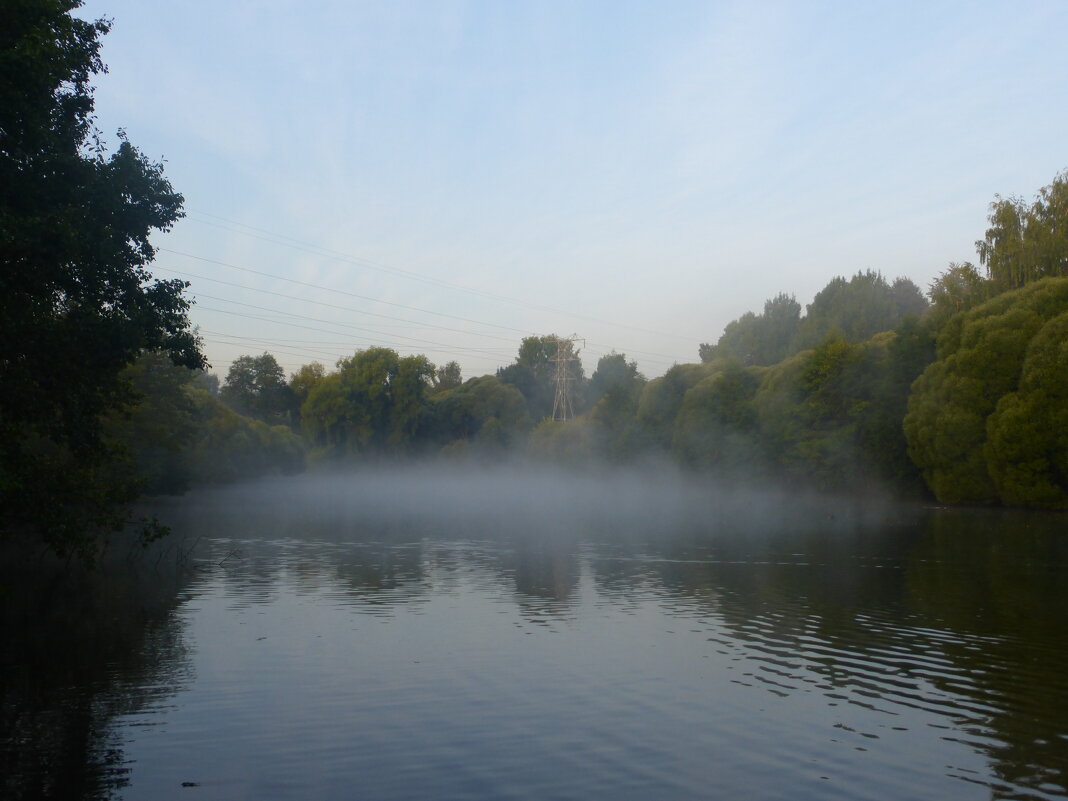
(1026,242)
(376,403)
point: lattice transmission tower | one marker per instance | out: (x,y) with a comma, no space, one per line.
(563,376)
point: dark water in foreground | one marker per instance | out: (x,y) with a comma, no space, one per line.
(511,635)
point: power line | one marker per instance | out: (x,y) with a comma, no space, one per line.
(486,355)
(338,291)
(276,350)
(309,247)
(332,305)
(343,325)
(656,356)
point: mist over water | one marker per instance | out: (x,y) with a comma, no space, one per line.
(532,500)
(526,632)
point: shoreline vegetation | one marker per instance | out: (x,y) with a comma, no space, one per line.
(956,395)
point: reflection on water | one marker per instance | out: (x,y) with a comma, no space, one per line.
(544,636)
(79,650)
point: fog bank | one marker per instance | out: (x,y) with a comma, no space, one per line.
(535,500)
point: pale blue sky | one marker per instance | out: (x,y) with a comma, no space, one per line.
(637,173)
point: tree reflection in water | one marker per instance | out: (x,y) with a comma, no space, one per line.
(80,648)
(959,612)
(949,621)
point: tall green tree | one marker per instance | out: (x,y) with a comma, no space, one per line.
(376,403)
(77,300)
(1027,242)
(304,380)
(858,308)
(256,387)
(447,376)
(615,388)
(957,289)
(766,338)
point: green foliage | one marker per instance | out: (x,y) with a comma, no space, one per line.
(576,442)
(660,402)
(858,309)
(488,414)
(532,374)
(229,447)
(209,382)
(325,417)
(783,415)
(375,404)
(161,425)
(825,379)
(302,382)
(1027,435)
(615,376)
(537,353)
(77,302)
(716,427)
(256,387)
(447,377)
(981,356)
(892,363)
(408,393)
(1026,243)
(854,310)
(957,289)
(533,371)
(615,388)
(759,339)
(831,417)
(178,435)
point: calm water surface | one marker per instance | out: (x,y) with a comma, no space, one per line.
(517,635)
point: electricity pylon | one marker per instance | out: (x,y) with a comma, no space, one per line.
(562,377)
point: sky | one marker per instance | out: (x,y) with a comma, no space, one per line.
(446,178)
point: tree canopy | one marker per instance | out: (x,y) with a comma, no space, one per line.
(376,403)
(447,376)
(77,300)
(1027,242)
(854,309)
(533,370)
(766,338)
(485,414)
(256,387)
(858,308)
(980,418)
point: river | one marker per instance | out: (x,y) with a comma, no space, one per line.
(529,634)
